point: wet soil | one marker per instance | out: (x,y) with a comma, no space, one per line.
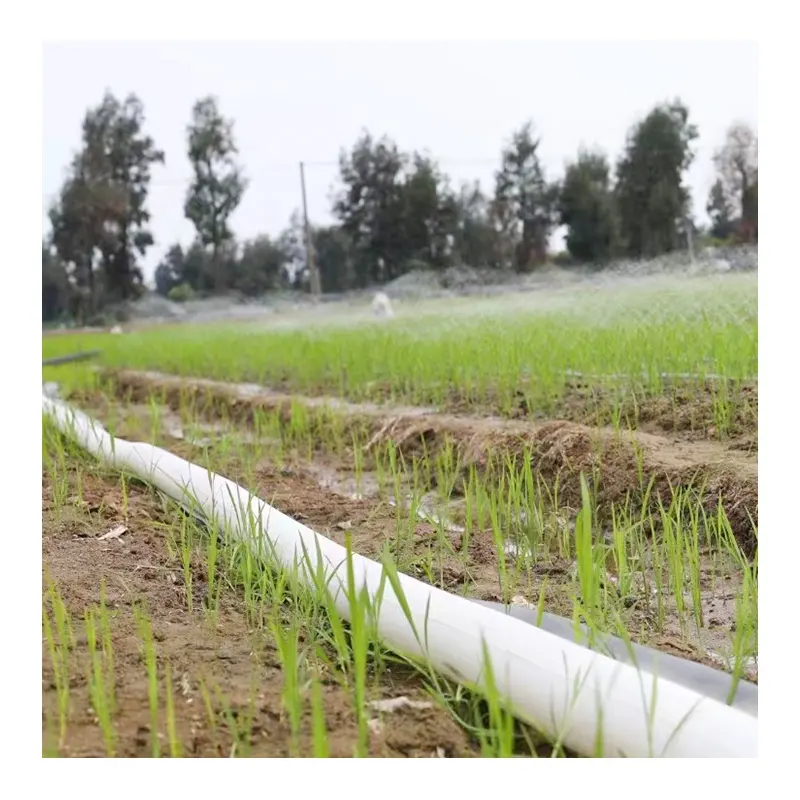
(222,651)
(620,465)
(431,546)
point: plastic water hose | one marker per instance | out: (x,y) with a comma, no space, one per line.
(705,680)
(569,692)
(57,360)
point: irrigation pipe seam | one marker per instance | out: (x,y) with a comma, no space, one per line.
(569,692)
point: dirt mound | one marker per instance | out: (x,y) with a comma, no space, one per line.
(620,465)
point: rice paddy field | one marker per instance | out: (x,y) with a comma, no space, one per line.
(589,452)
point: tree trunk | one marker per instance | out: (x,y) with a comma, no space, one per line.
(219,271)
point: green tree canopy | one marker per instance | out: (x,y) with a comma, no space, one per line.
(260,267)
(218,183)
(118,157)
(525,202)
(370,206)
(722,216)
(55,285)
(334,258)
(587,208)
(100,218)
(652,199)
(476,240)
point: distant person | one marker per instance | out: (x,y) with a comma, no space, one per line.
(382,306)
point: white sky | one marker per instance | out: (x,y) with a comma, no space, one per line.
(458,100)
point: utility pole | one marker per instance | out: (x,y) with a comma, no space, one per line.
(311,262)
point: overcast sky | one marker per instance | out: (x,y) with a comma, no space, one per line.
(459,100)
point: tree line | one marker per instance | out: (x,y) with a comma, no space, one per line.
(394,211)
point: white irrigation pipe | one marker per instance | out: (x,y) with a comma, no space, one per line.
(572,694)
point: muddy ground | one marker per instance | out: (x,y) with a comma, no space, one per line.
(226,651)
(324,494)
(619,463)
(223,650)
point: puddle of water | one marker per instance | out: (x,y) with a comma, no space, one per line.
(344,484)
(430,509)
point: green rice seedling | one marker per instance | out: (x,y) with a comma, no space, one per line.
(54,457)
(61,616)
(223,448)
(359,640)
(590,558)
(579,684)
(616,414)
(673,547)
(100,681)
(483,504)
(405,529)
(247,573)
(394,460)
(58,635)
(745,637)
(211,563)
(390,577)
(694,515)
(532,506)
(286,634)
(145,634)
(186,552)
(186,545)
(445,548)
(621,535)
(358,464)
(509,494)
(424,462)
(299,427)
(638,455)
(721,404)
(546,497)
(59,486)
(175,749)
(104,620)
(500,546)
(318,727)
(335,631)
(497,738)
(261,426)
(381,472)
(470,490)
(447,470)
(335,427)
